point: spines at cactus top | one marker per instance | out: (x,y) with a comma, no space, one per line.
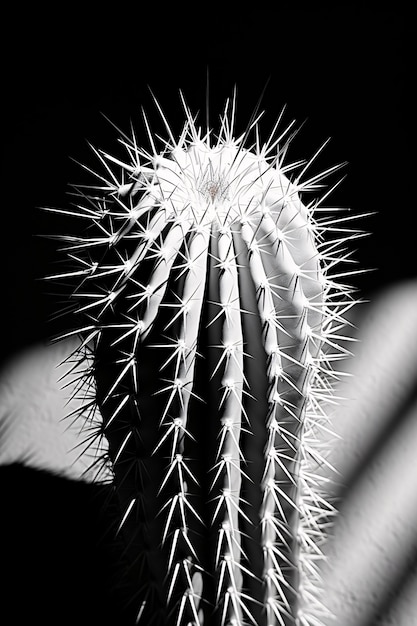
(212,316)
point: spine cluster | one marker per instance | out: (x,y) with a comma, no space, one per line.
(212,314)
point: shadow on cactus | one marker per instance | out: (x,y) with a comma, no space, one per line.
(212,314)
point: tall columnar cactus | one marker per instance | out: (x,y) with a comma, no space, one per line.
(205,361)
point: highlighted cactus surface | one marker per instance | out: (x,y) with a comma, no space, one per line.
(212,314)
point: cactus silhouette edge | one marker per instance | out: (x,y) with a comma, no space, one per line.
(211,311)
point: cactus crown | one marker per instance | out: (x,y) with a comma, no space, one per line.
(212,318)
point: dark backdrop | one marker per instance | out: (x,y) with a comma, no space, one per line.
(346,72)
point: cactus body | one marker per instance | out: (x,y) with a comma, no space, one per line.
(206,364)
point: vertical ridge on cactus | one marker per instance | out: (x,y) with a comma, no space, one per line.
(212,315)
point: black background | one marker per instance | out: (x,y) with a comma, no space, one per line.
(345,72)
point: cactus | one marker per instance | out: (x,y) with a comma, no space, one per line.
(212,315)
